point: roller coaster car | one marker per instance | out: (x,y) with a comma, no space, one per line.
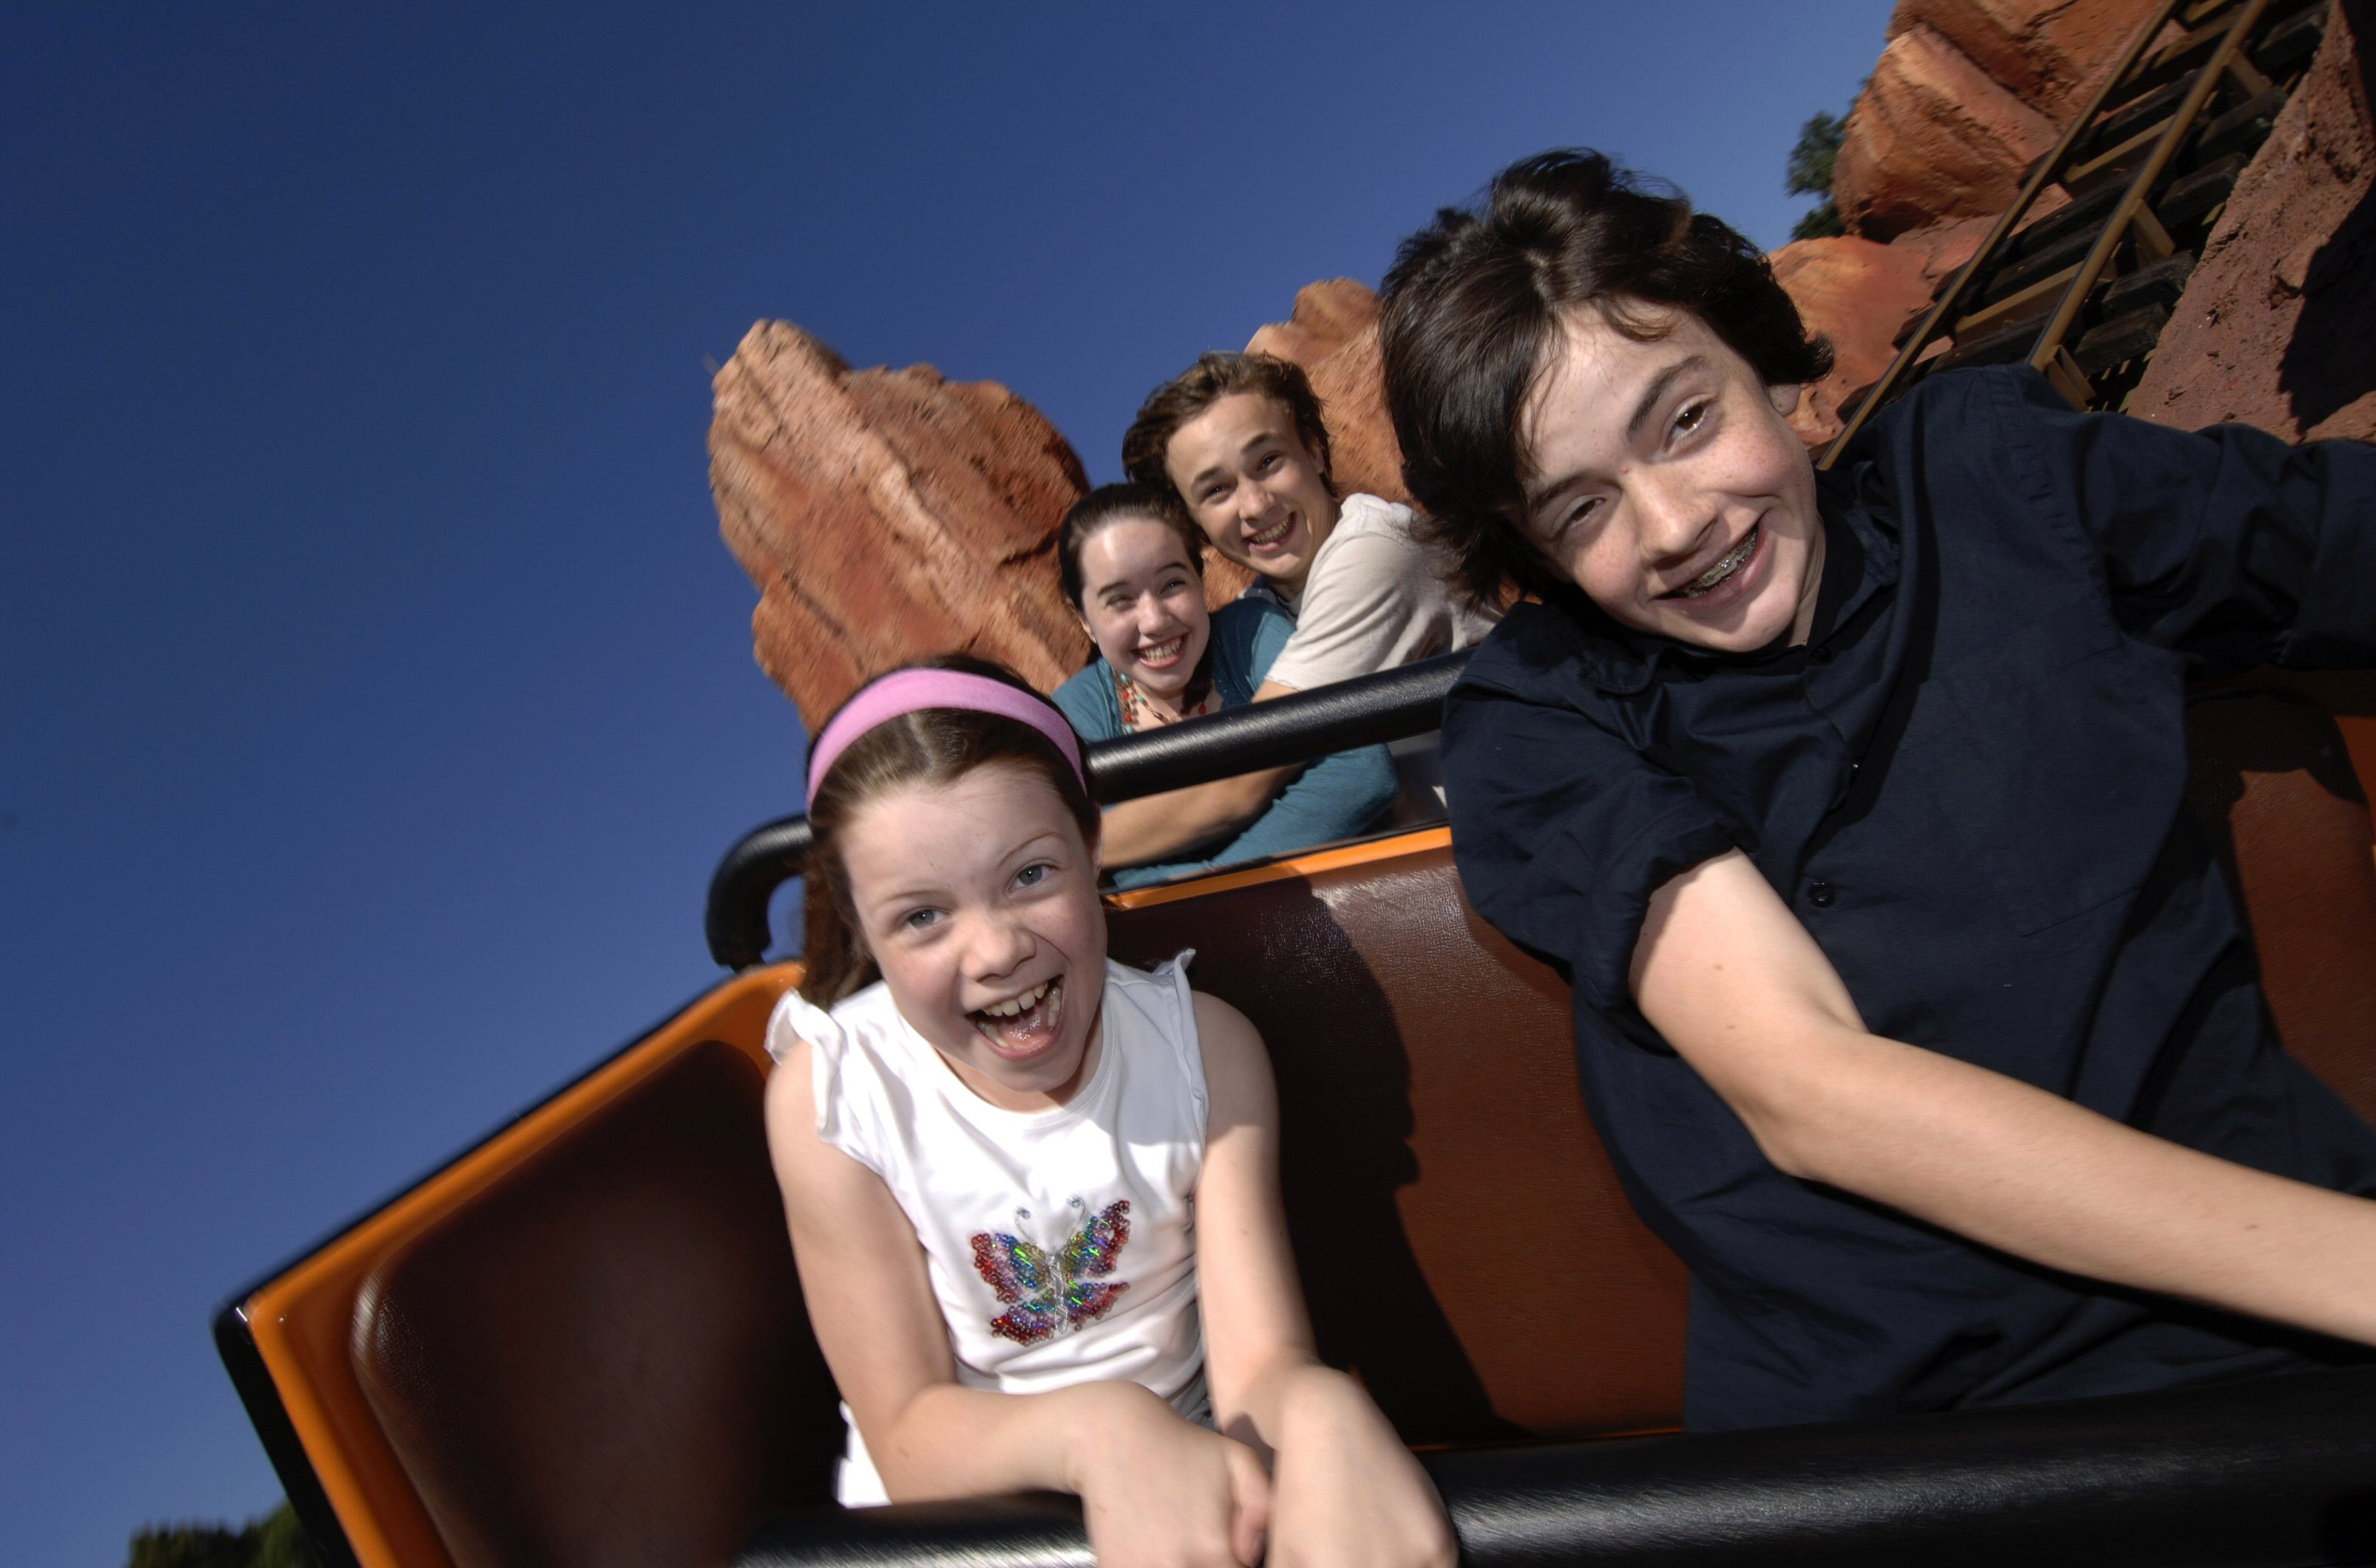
(582,1342)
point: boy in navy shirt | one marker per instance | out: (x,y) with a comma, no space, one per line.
(1908,996)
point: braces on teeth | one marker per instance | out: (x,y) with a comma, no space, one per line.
(1734,559)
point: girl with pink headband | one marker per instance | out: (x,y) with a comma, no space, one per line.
(1033,1192)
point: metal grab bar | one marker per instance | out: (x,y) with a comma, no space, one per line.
(1389,706)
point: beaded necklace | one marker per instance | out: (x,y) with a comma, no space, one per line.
(1137,713)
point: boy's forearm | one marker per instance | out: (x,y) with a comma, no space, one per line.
(1726,972)
(2030,1173)
(1154,827)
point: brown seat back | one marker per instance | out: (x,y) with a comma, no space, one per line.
(603,1362)
(1463,1243)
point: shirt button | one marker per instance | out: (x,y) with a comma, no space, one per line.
(1821,894)
(1819,655)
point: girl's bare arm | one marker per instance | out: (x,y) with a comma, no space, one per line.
(1742,992)
(1345,1490)
(1156,1489)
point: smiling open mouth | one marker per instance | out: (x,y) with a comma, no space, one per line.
(1717,575)
(1158,656)
(1023,1025)
(1272,535)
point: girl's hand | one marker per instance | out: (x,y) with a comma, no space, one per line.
(1348,1494)
(1160,1492)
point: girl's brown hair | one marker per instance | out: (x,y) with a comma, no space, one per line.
(1111,504)
(934,745)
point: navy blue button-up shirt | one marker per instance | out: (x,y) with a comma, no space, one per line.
(1968,784)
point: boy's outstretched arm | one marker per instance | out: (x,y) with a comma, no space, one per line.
(1154,827)
(1156,1488)
(1345,1490)
(1742,992)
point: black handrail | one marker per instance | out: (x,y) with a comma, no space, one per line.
(1385,706)
(2236,1475)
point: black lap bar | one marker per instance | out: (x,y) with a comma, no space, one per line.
(2272,1474)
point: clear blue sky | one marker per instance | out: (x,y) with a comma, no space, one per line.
(376,694)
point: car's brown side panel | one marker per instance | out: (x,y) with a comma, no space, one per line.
(301,1319)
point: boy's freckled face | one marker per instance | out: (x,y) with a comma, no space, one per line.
(1664,481)
(978,899)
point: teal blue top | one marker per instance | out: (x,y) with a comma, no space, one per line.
(1338,797)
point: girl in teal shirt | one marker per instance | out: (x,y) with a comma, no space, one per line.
(1132,567)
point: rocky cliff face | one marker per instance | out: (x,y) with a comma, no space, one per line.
(2278,325)
(1965,96)
(1933,136)
(887,513)
(2048,54)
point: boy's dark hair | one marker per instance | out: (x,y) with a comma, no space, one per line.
(935,746)
(1213,377)
(1111,504)
(1473,305)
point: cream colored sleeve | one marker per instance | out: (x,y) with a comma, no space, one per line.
(1374,601)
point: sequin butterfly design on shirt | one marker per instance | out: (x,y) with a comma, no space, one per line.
(1048,1296)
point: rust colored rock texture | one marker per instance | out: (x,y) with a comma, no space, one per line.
(1966,93)
(1933,136)
(1334,336)
(885,515)
(2278,325)
(1858,294)
(2049,53)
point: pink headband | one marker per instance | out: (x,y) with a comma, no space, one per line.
(908,691)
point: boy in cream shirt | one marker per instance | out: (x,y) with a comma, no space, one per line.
(1238,438)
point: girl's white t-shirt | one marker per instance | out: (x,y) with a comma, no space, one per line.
(1061,1243)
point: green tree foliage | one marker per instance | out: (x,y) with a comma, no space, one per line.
(274,1540)
(1809,173)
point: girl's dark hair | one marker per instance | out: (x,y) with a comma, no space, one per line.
(1473,305)
(934,745)
(1111,504)
(1213,377)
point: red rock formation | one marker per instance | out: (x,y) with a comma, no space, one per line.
(1859,295)
(1966,95)
(2049,53)
(1327,316)
(1334,336)
(1933,136)
(2278,325)
(886,515)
